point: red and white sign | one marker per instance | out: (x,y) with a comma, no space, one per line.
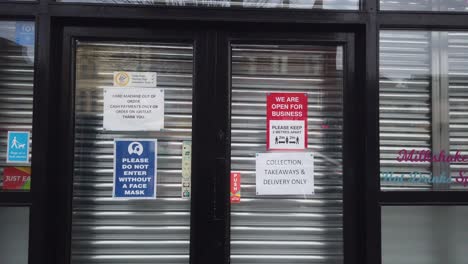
(17,178)
(235,187)
(286,121)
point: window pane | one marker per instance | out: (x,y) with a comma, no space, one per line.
(458,105)
(423,110)
(118,231)
(424,234)
(424,5)
(301,4)
(405,107)
(14,241)
(287,228)
(16,103)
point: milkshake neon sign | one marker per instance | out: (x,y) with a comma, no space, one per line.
(413,155)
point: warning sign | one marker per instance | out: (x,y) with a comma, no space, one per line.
(286,121)
(135,168)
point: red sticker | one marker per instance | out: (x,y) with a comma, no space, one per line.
(17,178)
(235,187)
(286,121)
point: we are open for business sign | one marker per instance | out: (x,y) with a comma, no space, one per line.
(286,121)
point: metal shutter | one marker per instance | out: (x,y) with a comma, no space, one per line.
(424,5)
(408,5)
(305,4)
(405,104)
(458,100)
(16,87)
(288,229)
(130,231)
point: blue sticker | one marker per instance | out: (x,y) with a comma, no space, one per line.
(25,33)
(18,147)
(135,168)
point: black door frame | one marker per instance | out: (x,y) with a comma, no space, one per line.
(210,207)
(352,144)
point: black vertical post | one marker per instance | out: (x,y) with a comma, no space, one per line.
(353,149)
(203,158)
(221,197)
(39,250)
(372,171)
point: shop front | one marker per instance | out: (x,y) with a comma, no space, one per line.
(233,132)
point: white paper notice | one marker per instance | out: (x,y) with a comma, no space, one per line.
(285,173)
(133,109)
(135,79)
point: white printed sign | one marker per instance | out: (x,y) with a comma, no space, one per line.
(135,79)
(133,109)
(285,173)
(287,134)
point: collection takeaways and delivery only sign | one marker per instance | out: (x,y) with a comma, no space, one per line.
(135,168)
(285,174)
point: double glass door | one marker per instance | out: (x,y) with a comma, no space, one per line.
(203,100)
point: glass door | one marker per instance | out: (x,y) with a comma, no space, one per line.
(132,152)
(287,133)
(163,128)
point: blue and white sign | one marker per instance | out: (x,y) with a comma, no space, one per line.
(135,168)
(25,33)
(18,147)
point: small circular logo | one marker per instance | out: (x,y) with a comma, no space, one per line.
(122,79)
(135,148)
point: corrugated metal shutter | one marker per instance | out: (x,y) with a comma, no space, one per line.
(424,5)
(458,100)
(130,231)
(305,4)
(288,229)
(405,104)
(16,87)
(412,5)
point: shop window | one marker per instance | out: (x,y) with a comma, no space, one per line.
(110,225)
(16,104)
(268,225)
(423,110)
(424,234)
(425,5)
(14,227)
(293,4)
